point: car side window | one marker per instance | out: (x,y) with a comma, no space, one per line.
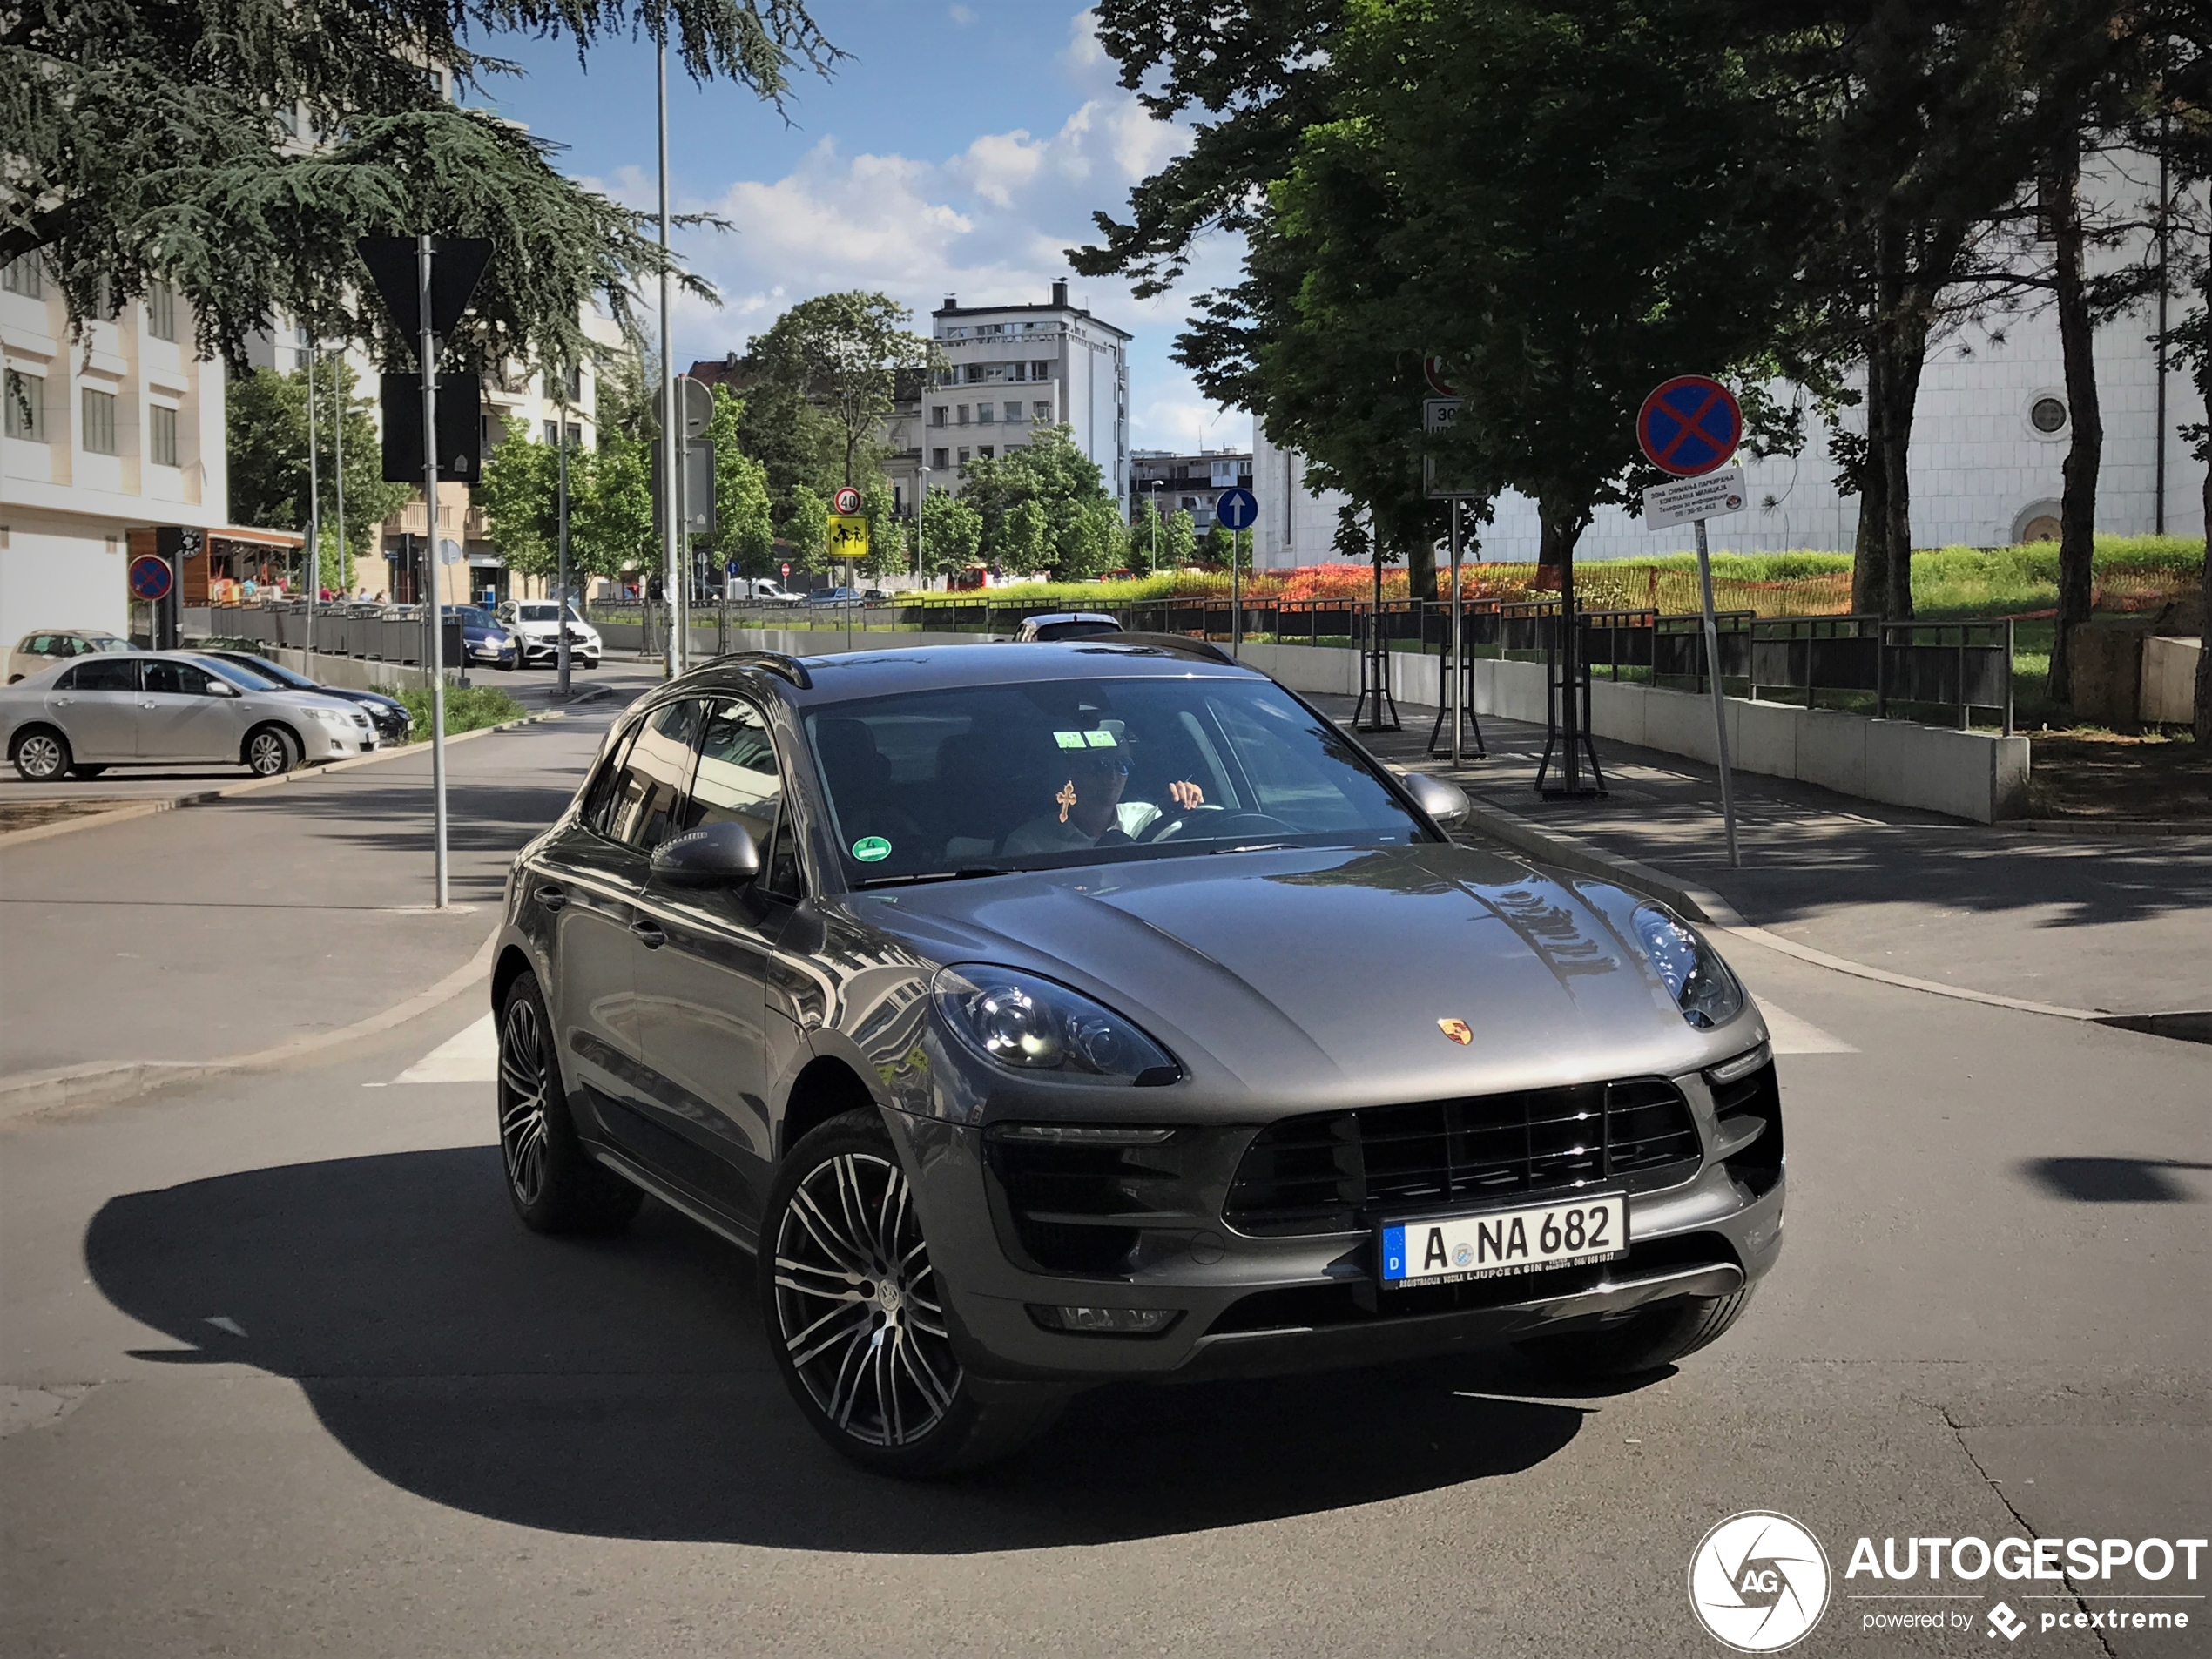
(649,796)
(599,794)
(176,677)
(104,674)
(740,780)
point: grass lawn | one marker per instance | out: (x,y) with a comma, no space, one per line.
(469,711)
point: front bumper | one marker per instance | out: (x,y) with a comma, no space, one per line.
(546,651)
(1260,1306)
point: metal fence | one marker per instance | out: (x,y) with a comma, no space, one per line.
(378,633)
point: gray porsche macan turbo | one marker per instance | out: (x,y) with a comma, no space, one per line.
(1068,1012)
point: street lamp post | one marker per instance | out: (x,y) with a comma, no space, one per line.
(671,419)
(314,506)
(561,579)
(338,469)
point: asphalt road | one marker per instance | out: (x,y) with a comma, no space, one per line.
(282,1374)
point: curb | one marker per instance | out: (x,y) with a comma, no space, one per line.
(129,809)
(30,1093)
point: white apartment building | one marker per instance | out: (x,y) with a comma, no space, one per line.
(1010,370)
(1989,444)
(119,429)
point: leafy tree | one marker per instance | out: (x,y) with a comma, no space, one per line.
(806,527)
(888,553)
(1215,549)
(743,530)
(267,415)
(164,142)
(1019,544)
(610,507)
(519,490)
(952,533)
(1066,536)
(1178,540)
(839,355)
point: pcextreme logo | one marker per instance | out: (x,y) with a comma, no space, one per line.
(1758,1582)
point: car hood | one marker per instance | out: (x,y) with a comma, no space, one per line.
(1321,976)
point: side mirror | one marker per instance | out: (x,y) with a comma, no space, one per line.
(1447,803)
(222,688)
(719,856)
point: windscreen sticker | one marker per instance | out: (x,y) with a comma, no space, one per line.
(871,849)
(1099,739)
(1069,739)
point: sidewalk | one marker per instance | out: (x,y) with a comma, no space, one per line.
(2085,918)
(237,927)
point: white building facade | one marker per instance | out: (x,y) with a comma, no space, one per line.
(115,430)
(1010,370)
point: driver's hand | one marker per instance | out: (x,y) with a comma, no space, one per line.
(1187,795)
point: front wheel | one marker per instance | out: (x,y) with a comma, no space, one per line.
(268,753)
(856,1313)
(41,755)
(1649,1339)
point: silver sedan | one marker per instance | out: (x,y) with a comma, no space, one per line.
(162,708)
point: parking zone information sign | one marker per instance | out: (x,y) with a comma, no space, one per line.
(1690,499)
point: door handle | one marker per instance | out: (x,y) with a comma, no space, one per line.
(552,897)
(649,933)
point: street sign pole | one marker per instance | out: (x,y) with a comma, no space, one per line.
(315,508)
(1235,595)
(671,444)
(560,581)
(436,655)
(1720,708)
(337,479)
(1459,717)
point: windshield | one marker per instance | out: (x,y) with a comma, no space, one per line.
(544,613)
(995,778)
(470,616)
(270,678)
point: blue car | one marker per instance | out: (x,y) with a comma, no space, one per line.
(483,639)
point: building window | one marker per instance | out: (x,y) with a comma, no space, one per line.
(1040,410)
(987,413)
(986,451)
(963,454)
(161,311)
(161,435)
(1013,411)
(937,415)
(552,436)
(99,422)
(938,459)
(960,414)
(2048,416)
(23,276)
(26,401)
(1041,371)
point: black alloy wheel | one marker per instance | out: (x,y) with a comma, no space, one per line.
(555,1184)
(857,1314)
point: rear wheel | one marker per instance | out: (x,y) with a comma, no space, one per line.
(1648,1339)
(269,753)
(555,1186)
(40,754)
(857,1315)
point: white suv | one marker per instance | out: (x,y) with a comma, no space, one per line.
(536,626)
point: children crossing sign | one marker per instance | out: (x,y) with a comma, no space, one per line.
(848,535)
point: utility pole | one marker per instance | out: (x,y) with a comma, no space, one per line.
(315,508)
(338,466)
(436,653)
(561,580)
(672,420)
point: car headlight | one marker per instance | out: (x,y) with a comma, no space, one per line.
(332,717)
(1692,970)
(1034,1026)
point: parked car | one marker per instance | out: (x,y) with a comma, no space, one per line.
(874,596)
(482,640)
(536,624)
(833,597)
(388,714)
(51,645)
(1068,624)
(166,708)
(1102,1012)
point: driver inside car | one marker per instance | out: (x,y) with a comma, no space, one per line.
(1086,808)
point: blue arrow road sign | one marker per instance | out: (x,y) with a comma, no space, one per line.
(1237,509)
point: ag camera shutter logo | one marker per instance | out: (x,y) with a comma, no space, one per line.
(1758,1582)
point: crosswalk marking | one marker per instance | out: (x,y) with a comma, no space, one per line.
(1790,1035)
(468,1056)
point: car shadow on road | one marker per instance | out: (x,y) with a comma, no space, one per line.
(622,1387)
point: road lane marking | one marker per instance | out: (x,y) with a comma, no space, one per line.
(1790,1035)
(471,1055)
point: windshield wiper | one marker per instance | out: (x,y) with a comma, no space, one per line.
(1253,846)
(930,875)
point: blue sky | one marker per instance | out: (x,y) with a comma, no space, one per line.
(960,150)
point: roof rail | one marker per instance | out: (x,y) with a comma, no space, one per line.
(783,665)
(1182,644)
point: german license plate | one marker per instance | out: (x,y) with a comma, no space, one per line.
(1490,1244)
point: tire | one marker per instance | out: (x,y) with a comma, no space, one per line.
(269,752)
(40,753)
(553,1183)
(86,771)
(875,1375)
(1649,1339)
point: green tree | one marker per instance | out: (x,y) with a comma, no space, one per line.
(952,533)
(1178,540)
(1215,548)
(1065,485)
(610,507)
(518,490)
(266,417)
(162,142)
(806,527)
(839,354)
(743,529)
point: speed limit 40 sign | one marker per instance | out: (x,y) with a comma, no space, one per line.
(847,502)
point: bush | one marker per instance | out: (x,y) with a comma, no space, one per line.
(469,711)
